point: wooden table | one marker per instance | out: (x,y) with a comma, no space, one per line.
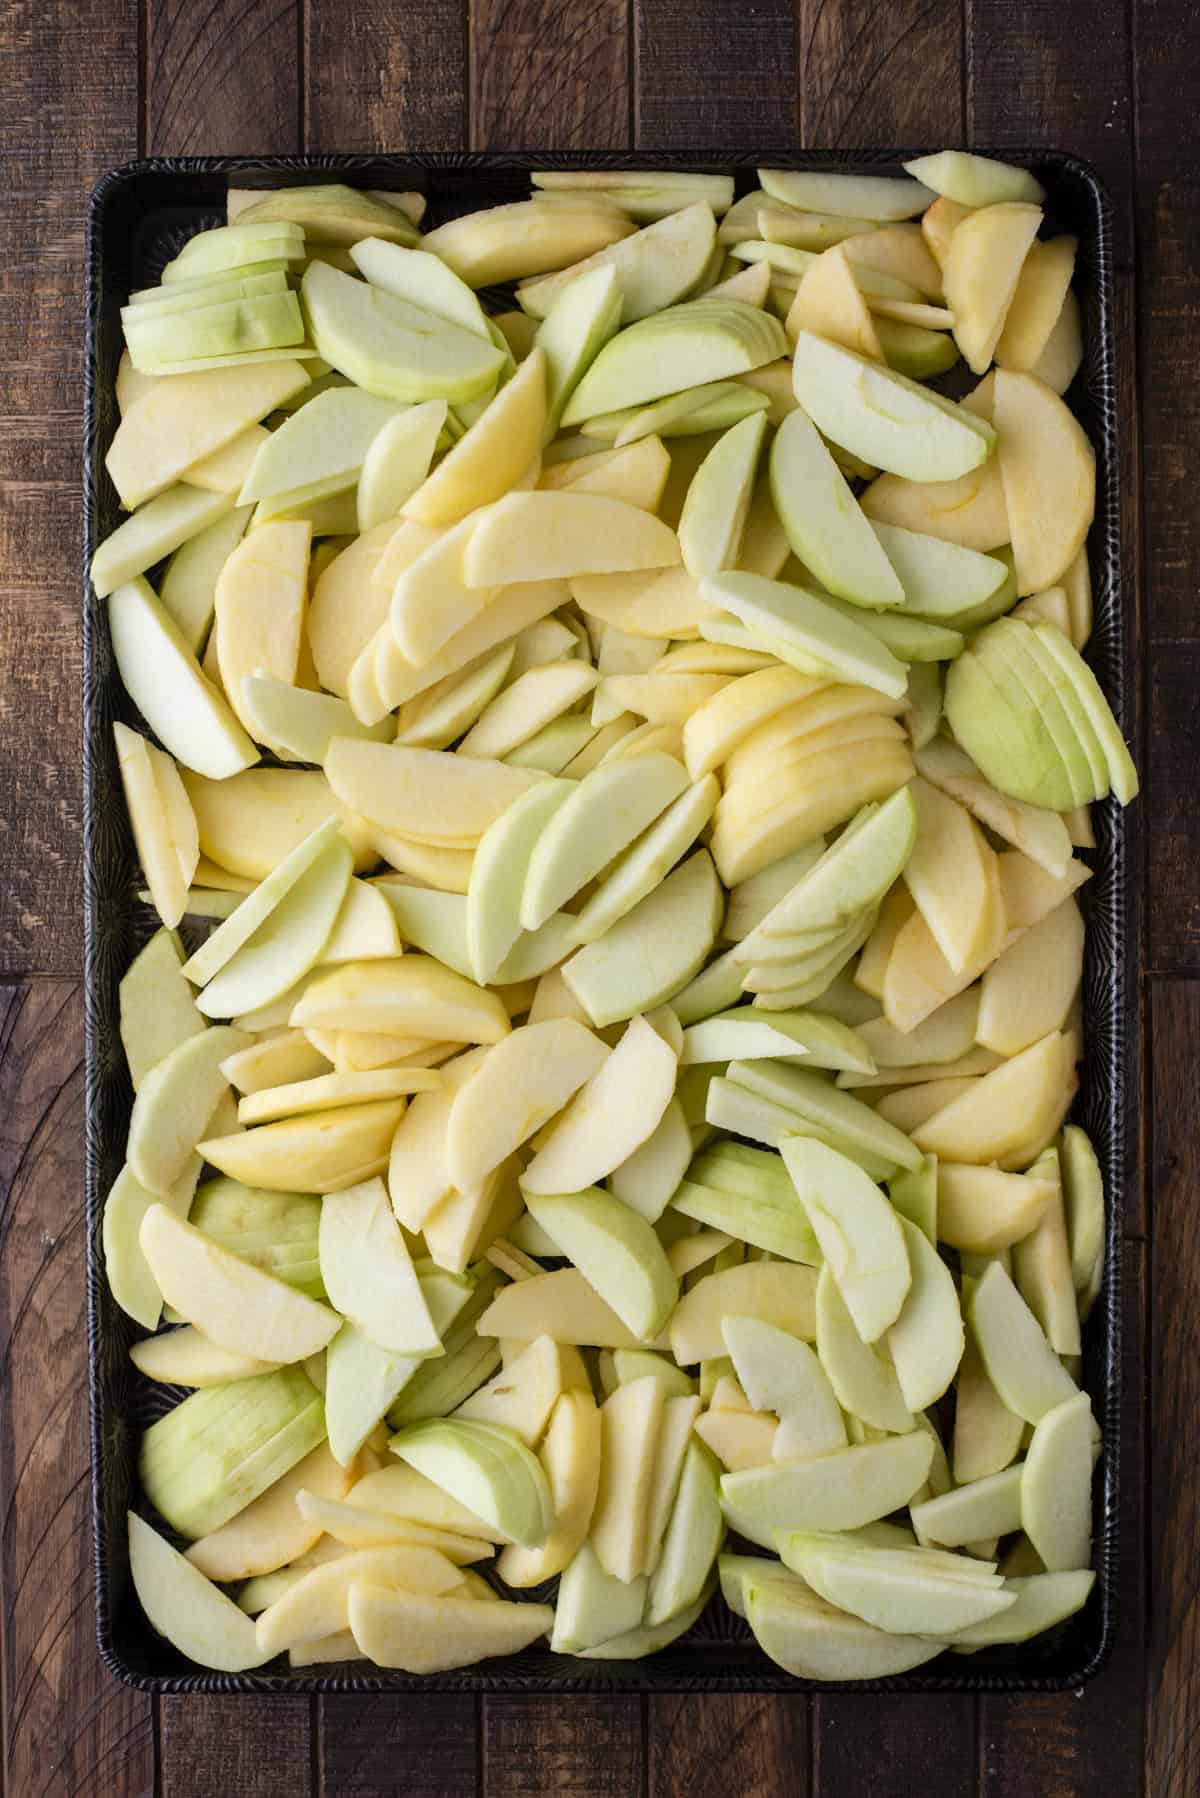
(88,85)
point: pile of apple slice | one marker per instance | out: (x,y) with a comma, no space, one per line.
(630,749)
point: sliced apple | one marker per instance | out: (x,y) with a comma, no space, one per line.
(882,197)
(318,1605)
(839,1491)
(812,1640)
(926,1340)
(862,1375)
(616,1251)
(1049,472)
(561,1305)
(545,536)
(1056,1486)
(422,1634)
(368,1272)
(486,1468)
(609,1117)
(822,519)
(1038,833)
(780,1293)
(1022,1100)
(1020,1363)
(271,1531)
(593,1605)
(859,1233)
(780,1373)
(420,792)
(533,701)
(389,346)
(631,1422)
(174,1103)
(321,1154)
(289,941)
(187,1608)
(982,269)
(714,514)
(653,950)
(492,455)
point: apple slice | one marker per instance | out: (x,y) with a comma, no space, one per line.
(839,1491)
(319,1154)
(824,524)
(594,1606)
(164,825)
(970,511)
(849,877)
(544,536)
(403,1494)
(855,196)
(1086,689)
(609,1117)
(160,526)
(174,1103)
(1056,1486)
(858,1231)
(422,1634)
(178,422)
(368,1273)
(635,874)
(686,346)
(492,455)
(903,1591)
(579,321)
(982,269)
(647,1179)
(290,940)
(680,1413)
(188,1609)
(561,1305)
(654,268)
(634,472)
(1062,357)
(693,1539)
(1028,991)
(486,1468)
(505,243)
(534,700)
(926,1340)
(162,676)
(714,513)
(790,618)
(523,1394)
(862,1375)
(412,996)
(987,1435)
(782,1374)
(780,1293)
(1038,833)
(615,1250)
(354,1526)
(1043,1600)
(521,1085)
(188,586)
(739,1439)
(738,1572)
(1083,1191)
(390,347)
(498,875)
(1020,1363)
(186,1357)
(977,1512)
(653,950)
(631,1422)
(745,1034)
(812,1640)
(1049,472)
(1024,1099)
(130,1279)
(423,793)
(318,1605)
(975,180)
(1037,303)
(271,1531)
(949,873)
(982,1210)
(829,302)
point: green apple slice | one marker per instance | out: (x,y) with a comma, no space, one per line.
(423,1634)
(685,346)
(828,1114)
(177,423)
(973,1513)
(236,246)
(332,213)
(738,1572)
(272,1531)
(880,197)
(692,1541)
(182,296)
(782,1374)
(858,1231)
(615,1250)
(733,1107)
(129,1276)
(174,1103)
(610,1117)
(649,1638)
(653,950)
(1121,770)
(162,676)
(1020,1363)
(212,1455)
(289,942)
(680,1412)
(1043,1599)
(823,521)
(796,619)
(1042,1265)
(852,875)
(485,1468)
(238,930)
(889,421)
(778,1292)
(1083,1191)
(157,1006)
(188,588)
(520,1085)
(1022,665)
(186,1357)
(812,1640)
(266,321)
(390,347)
(926,1340)
(941,580)
(839,1491)
(914,1197)
(718,499)
(975,180)
(440,715)
(561,1305)
(423,280)
(368,1272)
(580,320)
(299,722)
(323,445)
(655,267)
(898,1590)
(640,1364)
(1056,1486)
(862,1375)
(593,1605)
(914,350)
(987,1435)
(640,868)
(162,525)
(187,1608)
(745,1034)
(397,462)
(433,921)
(647,1179)
(1000,728)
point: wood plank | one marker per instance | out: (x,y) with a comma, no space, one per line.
(549,75)
(236,1745)
(1168,230)
(72,112)
(69,1728)
(384,77)
(550,1747)
(709,1747)
(891,1746)
(1093,1741)
(881,75)
(223,77)
(719,78)
(414,1747)
(1173,1683)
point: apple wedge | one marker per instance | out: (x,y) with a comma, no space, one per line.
(317,1605)
(949,873)
(561,1305)
(160,526)
(486,1468)
(271,1531)
(524,1393)
(529,237)
(1024,1099)
(780,1293)
(320,1154)
(903,1591)
(926,1340)
(417,792)
(883,197)
(891,422)
(492,455)
(519,1086)
(1023,1368)
(174,1103)
(1036,305)
(1048,468)
(129,1276)
(610,1117)
(288,943)
(546,536)
(368,1273)
(862,1374)
(1056,1486)
(260,598)
(651,952)
(686,346)
(631,1423)
(615,1250)
(654,268)
(390,347)
(838,1491)
(812,1640)
(976,180)
(790,619)
(713,519)
(824,525)
(164,825)
(780,1373)
(187,1608)
(858,1231)
(186,1357)
(982,270)
(423,1634)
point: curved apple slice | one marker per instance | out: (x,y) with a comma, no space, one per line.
(981,271)
(616,1251)
(862,1376)
(318,1604)
(926,1340)
(840,1491)
(368,1272)
(781,1373)
(1056,1486)
(188,1609)
(654,950)
(811,1640)
(424,793)
(560,1305)
(858,1231)
(570,1455)
(488,1469)
(782,1293)
(271,1531)
(550,535)
(1048,468)
(611,1116)
(186,1357)
(491,456)
(288,943)
(319,1154)
(410,996)
(498,875)
(174,1103)
(164,825)
(1020,1363)
(903,1591)
(387,345)
(433,1635)
(297,721)
(525,1080)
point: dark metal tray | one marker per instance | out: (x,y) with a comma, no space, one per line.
(138,217)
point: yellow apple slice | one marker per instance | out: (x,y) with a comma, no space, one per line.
(635,472)
(348,604)
(1035,307)
(186,1357)
(421,1634)
(175,423)
(780,1293)
(424,793)
(234,1304)
(1062,357)
(321,1154)
(885,197)
(1023,1099)
(828,301)
(898,250)
(1056,1486)
(982,269)
(174,1103)
(544,536)
(1038,833)
(715,729)
(656,603)
(498,875)
(631,1425)
(288,942)
(465,1224)
(739,1439)
(492,455)
(533,701)
(318,1605)
(402,1493)
(609,1117)
(365,929)
(560,1305)
(571,1456)
(260,597)
(188,1609)
(505,243)
(164,825)
(157,1010)
(357,1527)
(397,462)
(271,1531)
(523,1394)
(1048,468)
(982,1210)
(411,996)
(368,1273)
(1028,991)
(521,1085)
(949,875)
(419,1173)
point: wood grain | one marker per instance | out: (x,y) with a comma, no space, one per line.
(1173,1692)
(420,1747)
(879,75)
(711,1747)
(717,78)
(223,77)
(71,108)
(567,1747)
(236,1745)
(68,1727)
(893,1746)
(384,77)
(545,75)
